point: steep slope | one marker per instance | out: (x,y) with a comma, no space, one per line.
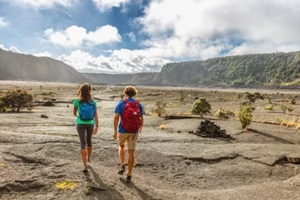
(275,69)
(17,66)
(263,70)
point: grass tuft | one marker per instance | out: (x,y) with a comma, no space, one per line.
(66,185)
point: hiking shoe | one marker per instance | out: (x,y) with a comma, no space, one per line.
(85,169)
(122,170)
(128,179)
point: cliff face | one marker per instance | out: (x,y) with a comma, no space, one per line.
(15,66)
(274,69)
(257,70)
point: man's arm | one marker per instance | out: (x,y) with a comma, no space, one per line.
(116,122)
(142,123)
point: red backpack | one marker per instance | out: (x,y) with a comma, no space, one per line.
(131,117)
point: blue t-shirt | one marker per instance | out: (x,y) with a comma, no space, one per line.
(119,109)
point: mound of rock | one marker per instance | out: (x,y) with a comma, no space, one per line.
(49,103)
(208,128)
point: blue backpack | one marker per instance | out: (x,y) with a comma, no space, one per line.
(87,110)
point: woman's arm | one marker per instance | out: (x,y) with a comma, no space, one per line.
(96,120)
(75,111)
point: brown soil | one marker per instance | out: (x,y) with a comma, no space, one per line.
(41,148)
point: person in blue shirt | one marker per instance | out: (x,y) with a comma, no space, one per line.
(122,135)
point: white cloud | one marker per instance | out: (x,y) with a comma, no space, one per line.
(43,54)
(15,49)
(12,49)
(178,30)
(3,23)
(74,36)
(3,47)
(203,29)
(44,3)
(104,34)
(108,4)
(120,61)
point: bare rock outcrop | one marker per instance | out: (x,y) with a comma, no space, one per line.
(208,128)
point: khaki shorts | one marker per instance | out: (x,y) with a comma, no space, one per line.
(130,138)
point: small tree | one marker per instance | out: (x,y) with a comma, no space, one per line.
(16,100)
(3,107)
(182,96)
(246,108)
(270,107)
(285,107)
(160,110)
(245,115)
(251,98)
(201,107)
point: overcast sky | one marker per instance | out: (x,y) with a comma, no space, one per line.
(125,36)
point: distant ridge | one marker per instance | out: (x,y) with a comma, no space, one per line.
(15,66)
(271,70)
(255,70)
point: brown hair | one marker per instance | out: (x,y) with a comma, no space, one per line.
(84,93)
(130,91)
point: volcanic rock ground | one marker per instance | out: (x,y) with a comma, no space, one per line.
(39,149)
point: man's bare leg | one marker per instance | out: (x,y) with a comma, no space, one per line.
(131,159)
(122,159)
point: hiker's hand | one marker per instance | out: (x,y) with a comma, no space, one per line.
(115,136)
(95,130)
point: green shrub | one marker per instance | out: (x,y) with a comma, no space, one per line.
(201,107)
(224,114)
(270,107)
(182,96)
(245,115)
(285,107)
(293,101)
(160,110)
(15,100)
(251,98)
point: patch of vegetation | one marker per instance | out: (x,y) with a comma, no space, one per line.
(224,114)
(15,100)
(245,115)
(289,123)
(274,69)
(160,110)
(201,107)
(246,108)
(270,107)
(47,93)
(285,107)
(66,185)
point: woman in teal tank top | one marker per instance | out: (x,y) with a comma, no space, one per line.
(85,127)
